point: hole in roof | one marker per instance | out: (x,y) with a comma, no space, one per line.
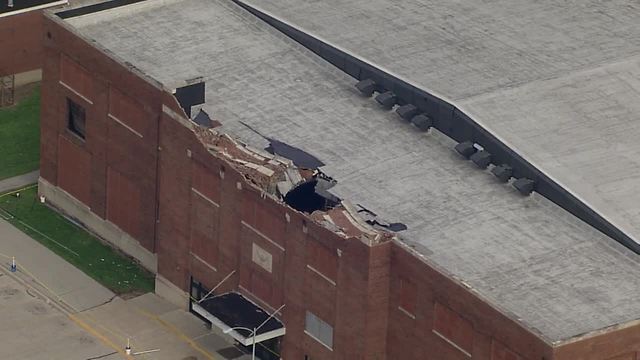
(305,198)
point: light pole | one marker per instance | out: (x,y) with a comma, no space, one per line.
(253,335)
(253,332)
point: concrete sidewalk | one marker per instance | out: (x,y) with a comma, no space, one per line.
(64,280)
(153,324)
(35,329)
(19,181)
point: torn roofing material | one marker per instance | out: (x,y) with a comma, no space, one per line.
(555,272)
(307,198)
(299,157)
(190,95)
(302,189)
(203,119)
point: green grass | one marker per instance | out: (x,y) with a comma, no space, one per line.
(98,260)
(20,137)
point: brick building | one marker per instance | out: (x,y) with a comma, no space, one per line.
(230,153)
(21,44)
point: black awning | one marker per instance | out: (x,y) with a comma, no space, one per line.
(232,310)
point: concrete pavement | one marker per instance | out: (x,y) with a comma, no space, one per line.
(153,324)
(34,329)
(62,279)
(19,181)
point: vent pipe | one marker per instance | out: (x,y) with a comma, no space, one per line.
(466,149)
(366,87)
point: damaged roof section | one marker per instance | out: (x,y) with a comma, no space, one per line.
(303,189)
(298,156)
(312,194)
(203,119)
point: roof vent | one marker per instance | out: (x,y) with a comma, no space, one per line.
(502,172)
(481,158)
(466,149)
(524,185)
(386,99)
(366,87)
(422,122)
(407,111)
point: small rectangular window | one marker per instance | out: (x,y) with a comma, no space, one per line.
(319,330)
(76,118)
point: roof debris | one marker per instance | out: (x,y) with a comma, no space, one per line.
(304,188)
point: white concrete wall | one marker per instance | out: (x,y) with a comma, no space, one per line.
(28,77)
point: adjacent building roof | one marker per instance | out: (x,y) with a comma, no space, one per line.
(14,7)
(528,257)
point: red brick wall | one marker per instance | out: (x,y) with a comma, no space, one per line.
(500,351)
(128,112)
(627,356)
(463,319)
(616,344)
(75,168)
(265,282)
(21,42)
(124,203)
(76,70)
(205,223)
(408,297)
(322,260)
(76,77)
(173,232)
(453,328)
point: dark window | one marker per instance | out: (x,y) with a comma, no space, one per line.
(76,118)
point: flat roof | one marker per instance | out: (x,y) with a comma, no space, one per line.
(558,82)
(528,257)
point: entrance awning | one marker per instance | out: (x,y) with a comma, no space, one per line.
(232,310)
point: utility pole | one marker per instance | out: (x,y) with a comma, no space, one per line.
(7,86)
